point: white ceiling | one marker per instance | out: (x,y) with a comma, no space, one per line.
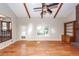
(31,10)
(34,13)
(20,11)
(66,9)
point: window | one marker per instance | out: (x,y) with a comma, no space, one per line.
(4,26)
(42,30)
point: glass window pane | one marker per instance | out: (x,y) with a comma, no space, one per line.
(42,30)
(4,26)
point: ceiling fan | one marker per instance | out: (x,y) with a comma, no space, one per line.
(46,8)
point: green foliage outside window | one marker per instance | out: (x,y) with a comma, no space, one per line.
(42,31)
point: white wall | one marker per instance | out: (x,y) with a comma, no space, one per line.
(72,15)
(56,24)
(5,10)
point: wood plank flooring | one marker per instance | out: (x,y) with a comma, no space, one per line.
(42,48)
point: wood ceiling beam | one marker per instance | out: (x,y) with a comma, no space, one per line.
(58,10)
(27,10)
(42,11)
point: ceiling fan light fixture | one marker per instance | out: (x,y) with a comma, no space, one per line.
(45,9)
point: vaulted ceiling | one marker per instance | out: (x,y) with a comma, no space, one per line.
(20,10)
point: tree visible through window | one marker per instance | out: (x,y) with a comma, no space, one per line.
(42,30)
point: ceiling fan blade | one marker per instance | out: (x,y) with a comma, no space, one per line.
(37,8)
(53,4)
(43,4)
(49,10)
(52,7)
(42,10)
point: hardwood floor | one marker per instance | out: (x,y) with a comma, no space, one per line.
(43,48)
